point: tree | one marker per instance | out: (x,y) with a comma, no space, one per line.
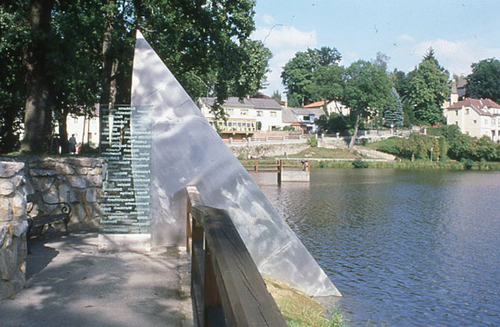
(427,90)
(276,96)
(15,32)
(484,81)
(367,90)
(393,113)
(88,46)
(301,72)
(38,108)
(326,83)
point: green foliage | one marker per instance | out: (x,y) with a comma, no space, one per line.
(367,91)
(468,164)
(388,145)
(313,142)
(484,81)
(302,73)
(359,163)
(89,48)
(393,113)
(332,123)
(426,90)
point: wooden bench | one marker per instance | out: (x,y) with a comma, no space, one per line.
(62,213)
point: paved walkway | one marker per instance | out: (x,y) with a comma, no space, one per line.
(70,283)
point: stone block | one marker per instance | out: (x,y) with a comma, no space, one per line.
(91,195)
(19,228)
(94,180)
(6,187)
(43,183)
(18,205)
(5,210)
(9,169)
(7,264)
(65,192)
(77,182)
(42,172)
(81,170)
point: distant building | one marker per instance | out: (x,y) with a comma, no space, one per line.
(331,107)
(245,117)
(475,117)
(85,128)
(302,119)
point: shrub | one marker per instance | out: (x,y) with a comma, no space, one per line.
(468,164)
(358,163)
(313,142)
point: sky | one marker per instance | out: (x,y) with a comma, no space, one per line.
(461,32)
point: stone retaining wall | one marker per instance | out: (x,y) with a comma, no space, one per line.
(333,142)
(75,180)
(254,151)
(13,226)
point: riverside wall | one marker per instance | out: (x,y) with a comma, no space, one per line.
(259,150)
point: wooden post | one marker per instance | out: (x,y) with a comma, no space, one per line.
(280,170)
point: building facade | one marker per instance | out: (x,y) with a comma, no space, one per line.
(475,117)
(244,117)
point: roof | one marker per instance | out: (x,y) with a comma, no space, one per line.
(315,104)
(256,103)
(290,115)
(287,116)
(480,105)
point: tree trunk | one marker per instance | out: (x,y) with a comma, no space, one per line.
(63,131)
(107,66)
(353,137)
(38,113)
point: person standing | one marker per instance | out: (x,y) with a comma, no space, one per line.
(72,144)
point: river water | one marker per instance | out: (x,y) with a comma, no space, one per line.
(405,248)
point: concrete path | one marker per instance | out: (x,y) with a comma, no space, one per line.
(72,284)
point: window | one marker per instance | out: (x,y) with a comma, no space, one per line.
(259,113)
(456,112)
(230,111)
(307,118)
(475,121)
(466,111)
(244,112)
(273,113)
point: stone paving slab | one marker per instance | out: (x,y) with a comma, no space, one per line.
(72,284)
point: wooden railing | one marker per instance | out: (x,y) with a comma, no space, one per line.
(226,287)
(275,167)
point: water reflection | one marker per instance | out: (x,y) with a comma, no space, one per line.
(404,248)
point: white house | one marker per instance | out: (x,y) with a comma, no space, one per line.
(302,118)
(245,117)
(333,106)
(475,117)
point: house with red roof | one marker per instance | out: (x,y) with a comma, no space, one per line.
(475,117)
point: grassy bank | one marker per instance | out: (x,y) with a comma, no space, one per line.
(411,165)
(299,310)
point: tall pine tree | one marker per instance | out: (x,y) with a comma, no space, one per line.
(428,89)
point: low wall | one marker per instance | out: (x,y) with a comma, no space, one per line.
(253,151)
(13,226)
(76,180)
(333,142)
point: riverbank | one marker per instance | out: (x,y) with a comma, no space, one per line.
(407,165)
(342,158)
